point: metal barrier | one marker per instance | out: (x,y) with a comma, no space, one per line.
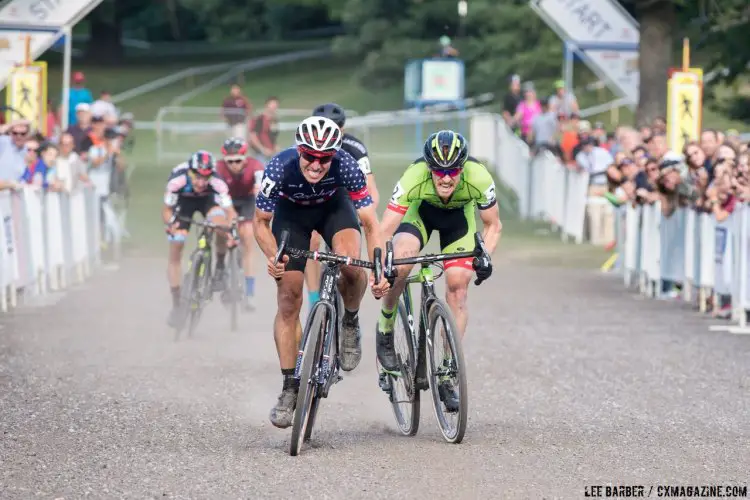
(51,241)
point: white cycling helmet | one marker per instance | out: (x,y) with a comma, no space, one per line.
(319,134)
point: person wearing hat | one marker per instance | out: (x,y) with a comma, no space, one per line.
(562,101)
(80,129)
(77,94)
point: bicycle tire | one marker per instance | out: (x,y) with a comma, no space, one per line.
(408,426)
(234,290)
(187,291)
(197,260)
(311,358)
(438,310)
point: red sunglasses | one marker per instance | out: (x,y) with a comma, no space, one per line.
(312,157)
(451,172)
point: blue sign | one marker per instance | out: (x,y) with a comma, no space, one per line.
(433,81)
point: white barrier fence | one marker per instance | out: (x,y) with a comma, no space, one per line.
(688,247)
(50,241)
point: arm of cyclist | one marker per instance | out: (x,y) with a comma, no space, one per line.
(174,184)
(490,215)
(372,187)
(266,202)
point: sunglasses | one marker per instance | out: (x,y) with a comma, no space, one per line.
(18,134)
(234,161)
(322,159)
(450,172)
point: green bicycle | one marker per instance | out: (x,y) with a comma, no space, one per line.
(416,373)
(197,289)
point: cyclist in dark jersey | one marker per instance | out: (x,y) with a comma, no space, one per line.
(314,187)
(357,149)
(193,186)
(242,174)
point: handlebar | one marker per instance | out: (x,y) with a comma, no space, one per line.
(285,249)
(479,252)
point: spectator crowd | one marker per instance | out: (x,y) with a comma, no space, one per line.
(633,166)
(89,152)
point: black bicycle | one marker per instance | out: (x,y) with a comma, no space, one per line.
(318,363)
(447,368)
(197,289)
(234,293)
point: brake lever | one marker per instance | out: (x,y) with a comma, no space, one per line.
(388,270)
(282,246)
(377,256)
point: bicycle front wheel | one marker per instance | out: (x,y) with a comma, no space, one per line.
(308,380)
(404,395)
(447,372)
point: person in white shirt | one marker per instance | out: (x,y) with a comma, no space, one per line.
(69,169)
(103,106)
(595,160)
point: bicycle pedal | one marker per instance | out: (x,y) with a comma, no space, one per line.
(384,381)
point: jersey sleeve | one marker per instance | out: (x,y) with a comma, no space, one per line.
(270,185)
(175,183)
(220,187)
(354,181)
(482,179)
(400,201)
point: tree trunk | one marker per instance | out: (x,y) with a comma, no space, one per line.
(656,18)
(105,44)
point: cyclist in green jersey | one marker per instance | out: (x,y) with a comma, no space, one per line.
(438,192)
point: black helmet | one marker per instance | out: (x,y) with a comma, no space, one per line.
(445,149)
(332,111)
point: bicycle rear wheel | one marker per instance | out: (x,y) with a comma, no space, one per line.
(308,383)
(190,282)
(404,397)
(447,366)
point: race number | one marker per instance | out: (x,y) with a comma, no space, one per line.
(266,186)
(489,193)
(398,192)
(364,165)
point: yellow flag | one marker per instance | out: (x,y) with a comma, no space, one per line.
(26,94)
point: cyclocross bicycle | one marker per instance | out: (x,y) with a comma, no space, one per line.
(196,289)
(317,366)
(403,386)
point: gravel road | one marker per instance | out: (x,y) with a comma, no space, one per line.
(573,382)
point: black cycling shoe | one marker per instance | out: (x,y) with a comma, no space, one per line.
(351,346)
(282,414)
(219,283)
(448,396)
(386,351)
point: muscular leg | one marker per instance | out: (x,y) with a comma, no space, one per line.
(286,333)
(312,272)
(353,281)
(404,245)
(457,281)
(174,267)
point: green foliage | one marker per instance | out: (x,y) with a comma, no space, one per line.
(496,40)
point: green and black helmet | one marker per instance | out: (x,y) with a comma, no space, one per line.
(445,149)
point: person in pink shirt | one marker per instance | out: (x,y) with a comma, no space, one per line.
(527,110)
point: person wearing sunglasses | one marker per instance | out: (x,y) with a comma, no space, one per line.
(242,173)
(315,186)
(193,186)
(357,149)
(438,192)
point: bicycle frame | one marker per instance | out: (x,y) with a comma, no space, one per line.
(419,339)
(330,299)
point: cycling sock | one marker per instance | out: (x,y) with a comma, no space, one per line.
(313,297)
(287,374)
(387,319)
(220,260)
(175,296)
(249,286)
(350,314)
